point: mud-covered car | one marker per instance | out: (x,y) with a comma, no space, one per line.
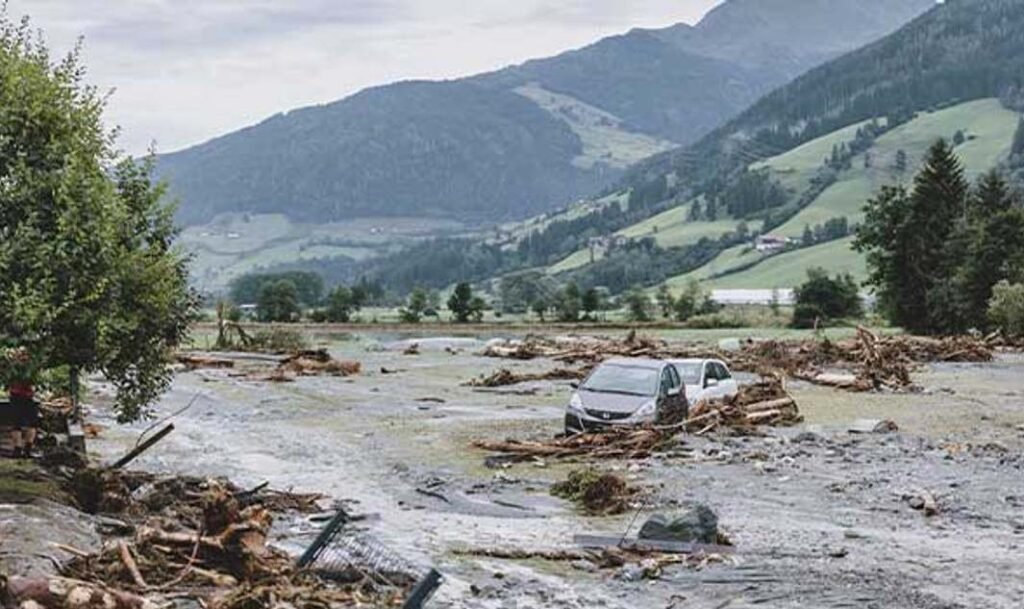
(627,392)
(706,379)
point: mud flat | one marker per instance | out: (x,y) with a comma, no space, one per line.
(820,516)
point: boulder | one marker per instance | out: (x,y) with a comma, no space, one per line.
(698,523)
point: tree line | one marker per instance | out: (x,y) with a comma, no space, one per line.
(938,250)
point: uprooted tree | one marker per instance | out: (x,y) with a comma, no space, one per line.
(91,279)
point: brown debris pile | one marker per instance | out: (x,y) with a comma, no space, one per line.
(651,562)
(575,349)
(865,362)
(596,492)
(624,443)
(195,362)
(505,377)
(317,362)
(193,538)
(763,403)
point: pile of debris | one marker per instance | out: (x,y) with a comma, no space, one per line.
(505,377)
(316,363)
(185,537)
(596,492)
(574,349)
(615,443)
(765,402)
(866,362)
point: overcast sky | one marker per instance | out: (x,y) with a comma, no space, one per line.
(188,70)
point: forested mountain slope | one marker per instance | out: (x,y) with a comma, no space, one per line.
(524,139)
(803,161)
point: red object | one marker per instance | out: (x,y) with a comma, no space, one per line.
(21,390)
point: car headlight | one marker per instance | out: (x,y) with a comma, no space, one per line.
(576,403)
(647,410)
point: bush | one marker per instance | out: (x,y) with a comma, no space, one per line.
(716,321)
(823,299)
(279,340)
(1006,309)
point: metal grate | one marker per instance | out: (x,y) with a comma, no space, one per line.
(350,556)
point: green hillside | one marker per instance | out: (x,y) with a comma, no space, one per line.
(987,125)
(790,269)
(988,130)
(236,244)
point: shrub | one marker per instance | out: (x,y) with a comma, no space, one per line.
(822,299)
(1006,309)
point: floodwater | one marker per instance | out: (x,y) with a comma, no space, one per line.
(819,519)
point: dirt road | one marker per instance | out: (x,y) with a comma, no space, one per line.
(820,517)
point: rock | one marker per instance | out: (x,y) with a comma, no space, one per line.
(630,573)
(698,523)
(838,552)
(807,437)
(874,426)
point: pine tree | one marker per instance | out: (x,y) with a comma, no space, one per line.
(901,161)
(808,237)
(666,303)
(1018,139)
(695,212)
(905,237)
(711,212)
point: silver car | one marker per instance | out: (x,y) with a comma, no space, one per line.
(627,392)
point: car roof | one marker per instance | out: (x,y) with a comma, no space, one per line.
(695,360)
(636,362)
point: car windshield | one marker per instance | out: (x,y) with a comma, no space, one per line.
(630,380)
(690,371)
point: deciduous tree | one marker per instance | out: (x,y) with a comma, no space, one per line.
(91,278)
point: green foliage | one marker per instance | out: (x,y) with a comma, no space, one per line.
(936,253)
(692,301)
(638,305)
(1018,138)
(591,303)
(279,302)
(823,299)
(666,304)
(341,303)
(415,307)
(1006,309)
(905,235)
(909,71)
(463,305)
(519,290)
(248,288)
(277,340)
(91,279)
(751,192)
(569,304)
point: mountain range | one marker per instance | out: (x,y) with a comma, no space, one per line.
(528,138)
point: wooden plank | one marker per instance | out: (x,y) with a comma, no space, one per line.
(599,542)
(141,448)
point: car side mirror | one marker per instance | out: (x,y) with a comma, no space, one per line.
(574,385)
(710,383)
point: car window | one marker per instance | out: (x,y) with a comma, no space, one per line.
(676,381)
(630,380)
(710,372)
(666,381)
(723,372)
(690,372)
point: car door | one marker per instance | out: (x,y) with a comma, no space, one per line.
(726,382)
(710,382)
(671,394)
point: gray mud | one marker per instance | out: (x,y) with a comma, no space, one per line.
(820,517)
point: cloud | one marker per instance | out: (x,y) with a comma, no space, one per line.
(188,70)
